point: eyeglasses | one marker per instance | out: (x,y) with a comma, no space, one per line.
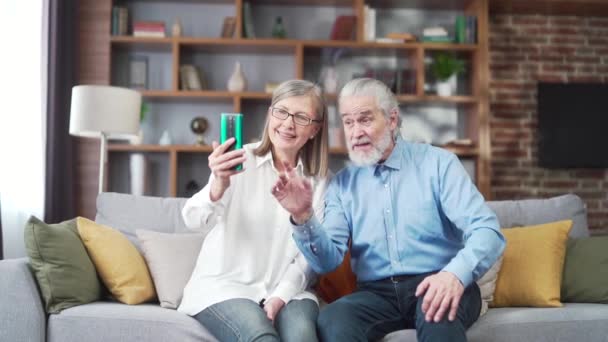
(299,118)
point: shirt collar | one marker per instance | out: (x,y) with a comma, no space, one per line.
(394,159)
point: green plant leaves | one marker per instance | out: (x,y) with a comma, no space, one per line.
(445,65)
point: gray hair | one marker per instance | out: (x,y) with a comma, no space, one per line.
(385,99)
(315,152)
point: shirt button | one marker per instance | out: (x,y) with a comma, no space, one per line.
(390,236)
(388,210)
(386,185)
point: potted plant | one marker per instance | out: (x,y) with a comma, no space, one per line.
(445,68)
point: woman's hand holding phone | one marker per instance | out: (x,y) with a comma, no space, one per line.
(222,163)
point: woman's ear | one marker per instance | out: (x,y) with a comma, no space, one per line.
(317,129)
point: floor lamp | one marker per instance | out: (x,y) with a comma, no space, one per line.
(104,111)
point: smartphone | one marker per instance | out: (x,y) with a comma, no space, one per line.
(231,126)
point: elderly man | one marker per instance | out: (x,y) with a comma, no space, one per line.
(420,231)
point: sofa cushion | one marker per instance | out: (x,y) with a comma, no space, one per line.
(105,321)
(171,259)
(533,260)
(585,277)
(572,322)
(538,211)
(487,285)
(65,273)
(127,213)
(120,266)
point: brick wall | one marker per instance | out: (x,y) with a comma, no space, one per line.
(525,49)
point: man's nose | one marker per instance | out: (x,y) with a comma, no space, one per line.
(358,130)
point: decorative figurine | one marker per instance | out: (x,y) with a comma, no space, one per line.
(278,29)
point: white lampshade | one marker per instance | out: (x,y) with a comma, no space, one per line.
(98,109)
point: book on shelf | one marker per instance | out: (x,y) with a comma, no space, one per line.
(369,23)
(436,34)
(228,27)
(466,29)
(344,28)
(471,29)
(444,39)
(191,78)
(149,29)
(404,37)
(436,31)
(399,81)
(120,21)
(248,21)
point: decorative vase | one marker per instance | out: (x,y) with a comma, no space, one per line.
(237,81)
(278,29)
(329,78)
(165,139)
(176,30)
(447,87)
(137,168)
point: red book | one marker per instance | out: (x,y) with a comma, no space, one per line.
(149,25)
(344,26)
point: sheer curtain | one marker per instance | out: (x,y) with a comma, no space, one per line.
(23,65)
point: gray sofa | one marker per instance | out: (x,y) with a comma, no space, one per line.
(22,317)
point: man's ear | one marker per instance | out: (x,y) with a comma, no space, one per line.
(393,119)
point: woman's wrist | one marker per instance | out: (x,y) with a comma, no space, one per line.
(217,191)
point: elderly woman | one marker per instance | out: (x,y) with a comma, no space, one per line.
(250,281)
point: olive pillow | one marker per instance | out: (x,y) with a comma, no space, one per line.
(585,277)
(65,273)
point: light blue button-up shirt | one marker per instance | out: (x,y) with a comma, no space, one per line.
(417,212)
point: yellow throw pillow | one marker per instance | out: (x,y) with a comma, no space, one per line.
(532,265)
(119,264)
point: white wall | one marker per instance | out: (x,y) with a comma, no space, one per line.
(22,133)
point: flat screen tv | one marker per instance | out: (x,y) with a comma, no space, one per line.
(573,125)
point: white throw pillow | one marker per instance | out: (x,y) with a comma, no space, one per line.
(487,285)
(171,259)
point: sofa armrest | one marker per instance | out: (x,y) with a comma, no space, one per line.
(22,316)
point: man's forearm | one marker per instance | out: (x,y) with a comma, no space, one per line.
(322,252)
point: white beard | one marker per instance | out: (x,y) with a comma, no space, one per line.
(374,156)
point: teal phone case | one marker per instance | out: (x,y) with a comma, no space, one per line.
(231,126)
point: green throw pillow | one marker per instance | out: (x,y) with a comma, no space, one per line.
(585,278)
(65,273)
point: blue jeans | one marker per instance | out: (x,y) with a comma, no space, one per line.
(380,307)
(243,320)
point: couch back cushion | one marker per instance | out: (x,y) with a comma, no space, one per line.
(128,213)
(538,211)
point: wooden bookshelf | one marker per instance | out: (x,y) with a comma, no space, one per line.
(302,56)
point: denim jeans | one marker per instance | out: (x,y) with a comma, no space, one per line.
(243,320)
(379,307)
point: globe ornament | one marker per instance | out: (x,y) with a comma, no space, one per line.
(198,126)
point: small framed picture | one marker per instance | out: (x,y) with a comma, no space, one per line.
(138,72)
(191,78)
(228,27)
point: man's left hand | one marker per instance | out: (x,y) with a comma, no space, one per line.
(442,291)
(273,306)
